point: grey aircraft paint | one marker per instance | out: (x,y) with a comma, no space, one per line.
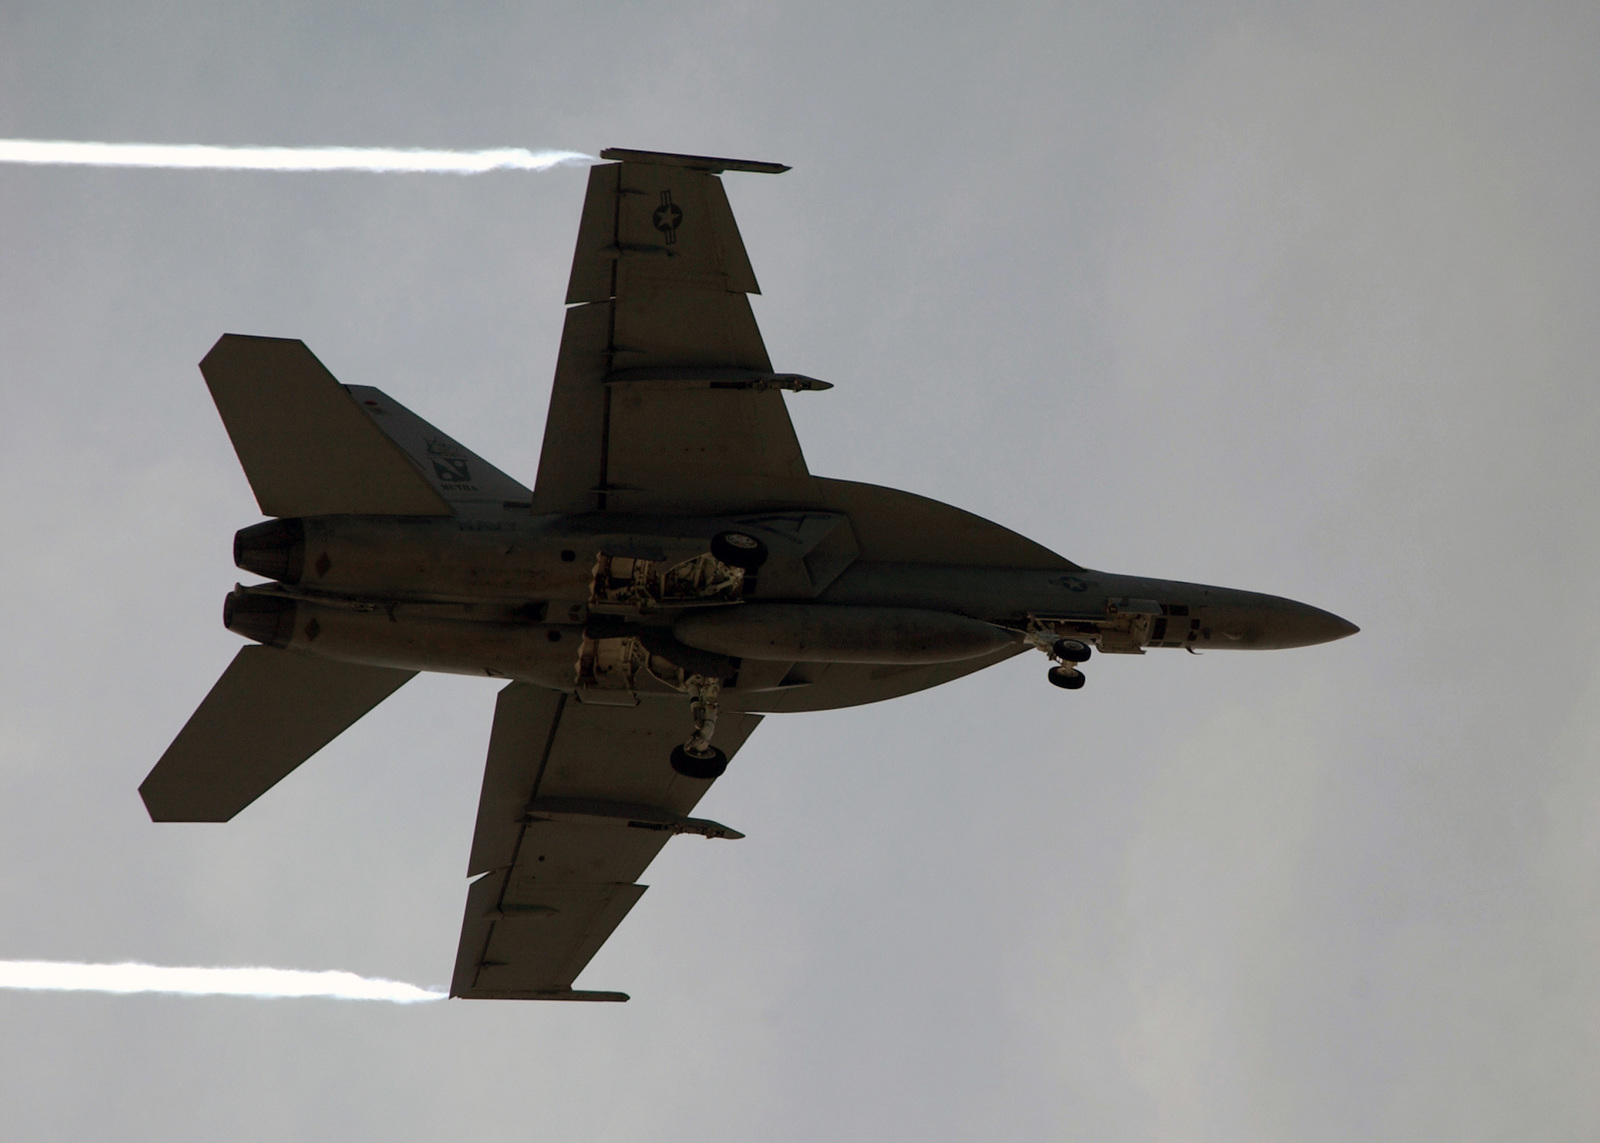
(675,572)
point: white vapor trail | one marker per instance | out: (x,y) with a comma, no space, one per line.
(196,156)
(266,983)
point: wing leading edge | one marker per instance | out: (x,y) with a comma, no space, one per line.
(577,801)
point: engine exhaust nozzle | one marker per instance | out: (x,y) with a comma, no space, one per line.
(275,549)
(267,619)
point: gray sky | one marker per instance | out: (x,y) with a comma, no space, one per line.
(1297,299)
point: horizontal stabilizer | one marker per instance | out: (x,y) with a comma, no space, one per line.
(306,446)
(269,712)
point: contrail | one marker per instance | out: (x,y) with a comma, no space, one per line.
(60,976)
(195,156)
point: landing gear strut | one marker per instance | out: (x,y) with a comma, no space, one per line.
(697,758)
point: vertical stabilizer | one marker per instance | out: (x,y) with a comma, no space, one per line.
(305,444)
(457,473)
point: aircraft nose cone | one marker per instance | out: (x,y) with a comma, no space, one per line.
(1246,621)
(1305,625)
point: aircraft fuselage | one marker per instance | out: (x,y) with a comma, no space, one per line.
(614,606)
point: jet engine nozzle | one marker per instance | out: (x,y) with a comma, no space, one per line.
(275,549)
(820,633)
(267,619)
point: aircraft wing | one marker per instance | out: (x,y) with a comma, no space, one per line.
(577,800)
(664,397)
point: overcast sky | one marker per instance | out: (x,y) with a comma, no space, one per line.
(1300,299)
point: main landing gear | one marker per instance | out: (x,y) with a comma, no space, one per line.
(697,758)
(739,550)
(1068,653)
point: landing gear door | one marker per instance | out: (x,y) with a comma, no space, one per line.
(808,552)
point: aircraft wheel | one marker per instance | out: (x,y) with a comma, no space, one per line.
(1072,650)
(739,550)
(1066,678)
(703,768)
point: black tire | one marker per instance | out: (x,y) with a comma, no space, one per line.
(739,550)
(1072,650)
(1066,678)
(703,768)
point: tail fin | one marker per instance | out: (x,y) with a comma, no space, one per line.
(306,447)
(313,447)
(457,473)
(269,712)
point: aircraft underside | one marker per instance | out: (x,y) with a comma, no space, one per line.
(675,572)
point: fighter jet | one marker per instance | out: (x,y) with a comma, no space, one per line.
(675,573)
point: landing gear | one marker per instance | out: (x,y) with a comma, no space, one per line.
(1067,678)
(693,766)
(739,550)
(697,758)
(1071,650)
(1065,652)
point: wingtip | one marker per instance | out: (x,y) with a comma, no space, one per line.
(708,163)
(540,994)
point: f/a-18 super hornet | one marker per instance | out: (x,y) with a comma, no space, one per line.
(675,573)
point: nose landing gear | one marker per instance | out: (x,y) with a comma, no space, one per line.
(1066,654)
(1071,650)
(1067,678)
(697,758)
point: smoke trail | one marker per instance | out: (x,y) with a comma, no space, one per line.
(59,976)
(195,156)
